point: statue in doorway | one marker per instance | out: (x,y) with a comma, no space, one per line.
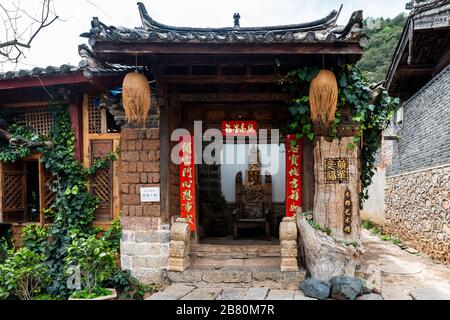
(253,198)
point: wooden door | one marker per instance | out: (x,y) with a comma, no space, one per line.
(102,181)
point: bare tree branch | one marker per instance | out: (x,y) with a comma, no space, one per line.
(17,22)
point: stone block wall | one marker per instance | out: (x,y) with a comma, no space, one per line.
(417,210)
(144,247)
(145,237)
(425,130)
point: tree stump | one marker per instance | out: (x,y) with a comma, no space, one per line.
(331,188)
(324,257)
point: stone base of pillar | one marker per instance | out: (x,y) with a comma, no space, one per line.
(288,241)
(178,264)
(179,246)
(289,264)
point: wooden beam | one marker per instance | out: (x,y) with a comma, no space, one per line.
(232,97)
(25,104)
(136,48)
(221,79)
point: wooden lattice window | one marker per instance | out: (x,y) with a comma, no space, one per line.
(41,120)
(102,181)
(13,191)
(49,195)
(95,115)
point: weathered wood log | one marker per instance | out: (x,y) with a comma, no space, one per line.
(324,257)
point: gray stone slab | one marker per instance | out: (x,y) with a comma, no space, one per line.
(256,293)
(299,295)
(280,295)
(428,294)
(226,276)
(203,294)
(172,292)
(232,294)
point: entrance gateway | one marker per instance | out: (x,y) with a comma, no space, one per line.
(227,78)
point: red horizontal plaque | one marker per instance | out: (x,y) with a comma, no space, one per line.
(239,128)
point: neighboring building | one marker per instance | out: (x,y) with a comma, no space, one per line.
(220,76)
(417,191)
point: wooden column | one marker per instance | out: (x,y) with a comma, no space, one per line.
(75,118)
(330,195)
(164,151)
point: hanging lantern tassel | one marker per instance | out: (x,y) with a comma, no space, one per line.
(323,96)
(136,99)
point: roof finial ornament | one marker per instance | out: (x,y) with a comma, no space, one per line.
(236,18)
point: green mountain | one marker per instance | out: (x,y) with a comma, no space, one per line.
(384,35)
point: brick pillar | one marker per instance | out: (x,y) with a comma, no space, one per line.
(145,240)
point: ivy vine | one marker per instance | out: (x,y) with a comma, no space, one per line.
(74,206)
(371,112)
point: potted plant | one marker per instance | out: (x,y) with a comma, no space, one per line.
(90,261)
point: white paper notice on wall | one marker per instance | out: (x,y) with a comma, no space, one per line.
(150,194)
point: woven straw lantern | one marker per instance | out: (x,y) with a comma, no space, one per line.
(136,98)
(323,96)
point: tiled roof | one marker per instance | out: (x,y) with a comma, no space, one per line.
(89,66)
(322,30)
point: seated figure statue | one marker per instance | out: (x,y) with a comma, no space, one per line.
(253,198)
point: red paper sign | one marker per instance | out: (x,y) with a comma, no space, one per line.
(187,180)
(239,128)
(293,174)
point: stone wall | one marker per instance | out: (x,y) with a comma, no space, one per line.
(417,210)
(425,131)
(145,236)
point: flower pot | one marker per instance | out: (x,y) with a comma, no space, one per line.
(112,296)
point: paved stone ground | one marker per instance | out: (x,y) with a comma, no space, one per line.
(179,291)
(404,276)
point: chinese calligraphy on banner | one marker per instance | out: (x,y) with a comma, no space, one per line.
(336,170)
(187,181)
(239,128)
(347,212)
(293,174)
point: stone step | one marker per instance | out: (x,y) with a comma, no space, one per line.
(234,251)
(239,273)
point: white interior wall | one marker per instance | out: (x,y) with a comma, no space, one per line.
(234,158)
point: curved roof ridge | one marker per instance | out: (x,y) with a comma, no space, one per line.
(329,21)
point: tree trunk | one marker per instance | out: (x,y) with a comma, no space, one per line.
(329,197)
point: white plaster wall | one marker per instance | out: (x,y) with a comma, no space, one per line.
(234,158)
(373,209)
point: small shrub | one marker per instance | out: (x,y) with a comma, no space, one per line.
(127,286)
(317,226)
(35,238)
(113,234)
(46,297)
(23,275)
(91,293)
(95,259)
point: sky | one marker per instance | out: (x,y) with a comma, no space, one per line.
(58,43)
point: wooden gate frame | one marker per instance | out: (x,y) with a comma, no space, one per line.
(115,138)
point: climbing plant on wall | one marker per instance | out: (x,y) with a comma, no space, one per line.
(74,205)
(371,109)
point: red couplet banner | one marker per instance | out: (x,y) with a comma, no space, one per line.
(293,174)
(239,128)
(187,180)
